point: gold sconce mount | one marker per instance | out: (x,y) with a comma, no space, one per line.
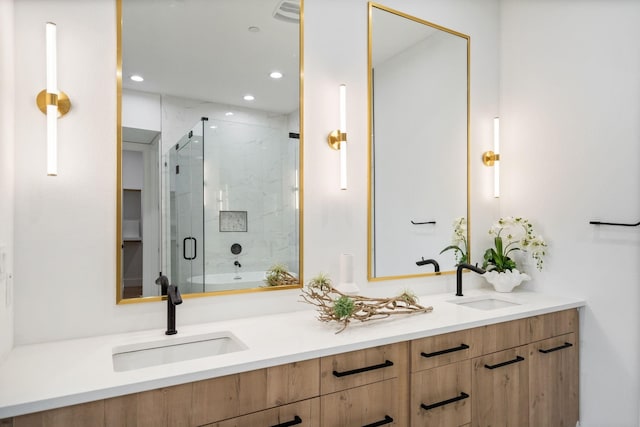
(489,158)
(62,101)
(335,138)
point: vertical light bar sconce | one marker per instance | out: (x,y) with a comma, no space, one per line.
(338,138)
(492,158)
(51,101)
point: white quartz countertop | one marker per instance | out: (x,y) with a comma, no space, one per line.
(49,375)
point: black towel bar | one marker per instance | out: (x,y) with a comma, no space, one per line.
(614,223)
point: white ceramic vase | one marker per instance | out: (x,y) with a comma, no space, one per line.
(505,281)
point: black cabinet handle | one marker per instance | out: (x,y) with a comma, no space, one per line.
(386,364)
(462,396)
(551,350)
(387,420)
(296,420)
(508,362)
(449,350)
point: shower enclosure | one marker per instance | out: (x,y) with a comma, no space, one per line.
(233,205)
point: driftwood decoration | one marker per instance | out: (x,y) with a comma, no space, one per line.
(333,305)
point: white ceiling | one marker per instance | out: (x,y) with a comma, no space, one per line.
(202,49)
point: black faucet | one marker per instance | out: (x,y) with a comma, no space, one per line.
(237,264)
(173,298)
(423,261)
(461,267)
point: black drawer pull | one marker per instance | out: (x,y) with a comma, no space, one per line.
(387,420)
(551,350)
(296,420)
(508,362)
(386,364)
(449,350)
(462,396)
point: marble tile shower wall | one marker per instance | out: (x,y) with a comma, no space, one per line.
(249,165)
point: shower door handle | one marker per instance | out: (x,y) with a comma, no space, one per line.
(184,248)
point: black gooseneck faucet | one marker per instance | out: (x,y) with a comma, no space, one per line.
(173,298)
(435,264)
(461,267)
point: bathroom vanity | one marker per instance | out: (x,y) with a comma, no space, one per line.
(460,365)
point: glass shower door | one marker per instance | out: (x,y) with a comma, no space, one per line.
(187,206)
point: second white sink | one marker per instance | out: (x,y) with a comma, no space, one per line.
(485,302)
(174,349)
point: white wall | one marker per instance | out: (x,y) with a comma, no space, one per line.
(7,171)
(570,113)
(569,104)
(65,226)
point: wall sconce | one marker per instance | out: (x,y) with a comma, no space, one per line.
(492,158)
(338,138)
(51,101)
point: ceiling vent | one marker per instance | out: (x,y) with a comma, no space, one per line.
(288,11)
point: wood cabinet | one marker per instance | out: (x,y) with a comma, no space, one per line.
(87,414)
(240,394)
(518,373)
(373,404)
(441,379)
(500,389)
(365,387)
(497,375)
(440,396)
(167,406)
(303,414)
(553,382)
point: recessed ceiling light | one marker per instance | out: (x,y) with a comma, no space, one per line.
(137,78)
(213,127)
(249,97)
(253,29)
(276,75)
(228,113)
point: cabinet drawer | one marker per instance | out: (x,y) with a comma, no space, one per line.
(440,396)
(372,404)
(169,406)
(500,388)
(500,336)
(302,414)
(86,414)
(361,367)
(553,381)
(235,395)
(430,352)
(552,324)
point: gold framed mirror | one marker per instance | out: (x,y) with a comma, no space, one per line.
(209,146)
(419,89)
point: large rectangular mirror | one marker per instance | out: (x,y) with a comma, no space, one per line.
(209,146)
(419,143)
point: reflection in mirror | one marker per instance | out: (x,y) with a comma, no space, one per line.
(210,180)
(418,186)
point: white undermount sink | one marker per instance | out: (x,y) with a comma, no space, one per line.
(484,302)
(174,349)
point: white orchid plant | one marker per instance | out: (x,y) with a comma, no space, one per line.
(459,241)
(513,234)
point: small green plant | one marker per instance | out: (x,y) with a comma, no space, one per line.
(408,297)
(343,307)
(321,281)
(278,275)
